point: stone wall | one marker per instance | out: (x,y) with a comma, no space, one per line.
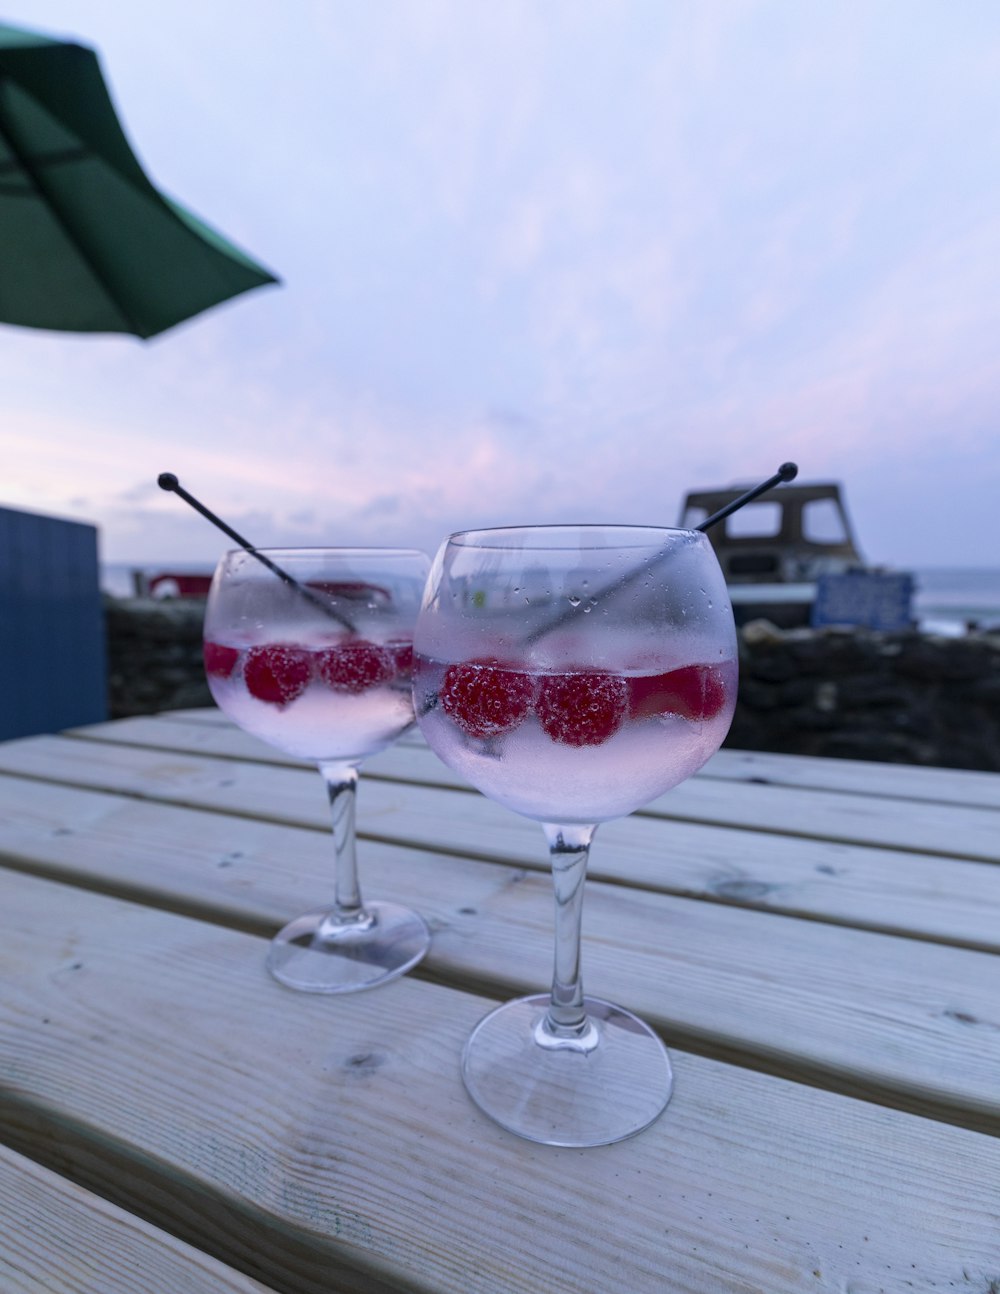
(904,698)
(154,655)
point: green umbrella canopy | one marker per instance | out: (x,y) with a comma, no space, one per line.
(87,243)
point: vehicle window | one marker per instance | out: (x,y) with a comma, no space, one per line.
(693,516)
(753,564)
(755,521)
(822,522)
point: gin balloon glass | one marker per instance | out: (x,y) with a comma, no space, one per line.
(573,674)
(311,650)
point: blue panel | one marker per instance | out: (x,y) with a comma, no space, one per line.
(872,599)
(52,651)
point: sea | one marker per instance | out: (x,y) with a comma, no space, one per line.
(947,598)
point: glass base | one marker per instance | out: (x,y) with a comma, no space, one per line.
(608,1085)
(317,953)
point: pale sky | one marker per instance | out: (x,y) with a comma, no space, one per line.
(542,260)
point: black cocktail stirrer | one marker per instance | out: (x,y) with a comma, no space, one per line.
(786,472)
(167,481)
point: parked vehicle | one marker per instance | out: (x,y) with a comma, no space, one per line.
(786,557)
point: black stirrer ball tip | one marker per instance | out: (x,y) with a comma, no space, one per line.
(786,472)
(167,481)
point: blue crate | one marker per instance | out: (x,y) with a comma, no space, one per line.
(52,649)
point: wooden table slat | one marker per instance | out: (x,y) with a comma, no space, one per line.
(61,1239)
(186,778)
(801,875)
(915,826)
(811,773)
(331,1138)
(803,933)
(911,1022)
(815,878)
(849,885)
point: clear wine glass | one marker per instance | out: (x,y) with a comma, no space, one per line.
(311,650)
(573,673)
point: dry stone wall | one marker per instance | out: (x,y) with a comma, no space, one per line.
(906,698)
(154,655)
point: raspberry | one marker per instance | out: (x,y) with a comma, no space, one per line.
(581,709)
(485,698)
(356,666)
(695,692)
(220,660)
(278,673)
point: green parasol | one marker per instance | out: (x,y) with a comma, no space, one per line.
(87,243)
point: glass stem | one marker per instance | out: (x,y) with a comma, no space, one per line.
(568,849)
(341,781)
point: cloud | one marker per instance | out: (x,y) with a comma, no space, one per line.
(542,262)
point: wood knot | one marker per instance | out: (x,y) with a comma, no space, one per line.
(963,1017)
(364,1063)
(742,891)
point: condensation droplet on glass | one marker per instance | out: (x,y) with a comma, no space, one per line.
(574,601)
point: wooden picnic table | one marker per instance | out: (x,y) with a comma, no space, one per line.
(817,941)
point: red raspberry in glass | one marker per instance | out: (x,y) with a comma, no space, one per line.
(355,666)
(584,708)
(696,692)
(278,673)
(485,698)
(220,660)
